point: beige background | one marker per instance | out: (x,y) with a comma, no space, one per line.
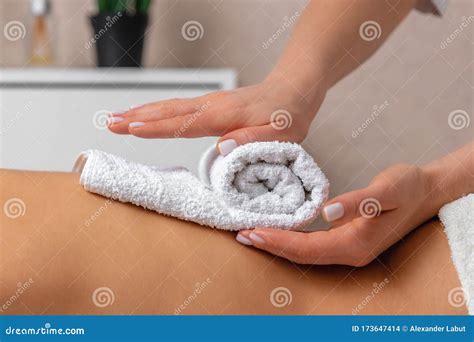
(422,82)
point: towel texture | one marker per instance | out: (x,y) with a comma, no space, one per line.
(458,220)
(263,184)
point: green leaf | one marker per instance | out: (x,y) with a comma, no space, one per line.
(120,6)
(142,6)
(102,4)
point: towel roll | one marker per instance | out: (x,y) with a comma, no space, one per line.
(263,184)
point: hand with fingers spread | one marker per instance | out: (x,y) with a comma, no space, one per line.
(255,113)
(366,222)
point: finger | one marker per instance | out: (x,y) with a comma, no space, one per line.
(322,247)
(186,126)
(161,110)
(368,203)
(242,136)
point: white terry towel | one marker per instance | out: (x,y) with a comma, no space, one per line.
(458,220)
(263,184)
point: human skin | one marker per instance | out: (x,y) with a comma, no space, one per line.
(326,45)
(401,198)
(69,243)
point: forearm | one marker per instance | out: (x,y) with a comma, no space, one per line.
(450,177)
(326,44)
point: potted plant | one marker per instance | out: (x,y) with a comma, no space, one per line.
(119,31)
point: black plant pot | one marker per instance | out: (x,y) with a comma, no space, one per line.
(118,38)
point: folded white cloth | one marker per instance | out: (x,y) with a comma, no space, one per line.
(263,184)
(458,220)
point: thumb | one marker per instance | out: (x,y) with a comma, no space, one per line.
(321,247)
(368,203)
(242,136)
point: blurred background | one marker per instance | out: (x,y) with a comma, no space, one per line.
(411,102)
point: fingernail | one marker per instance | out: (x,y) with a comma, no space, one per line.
(256,238)
(113,120)
(333,212)
(243,240)
(135,106)
(227,146)
(119,113)
(136,124)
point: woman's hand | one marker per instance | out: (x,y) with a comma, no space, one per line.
(265,112)
(318,54)
(364,222)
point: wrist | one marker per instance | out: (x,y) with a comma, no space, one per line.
(432,175)
(302,96)
(445,184)
(303,79)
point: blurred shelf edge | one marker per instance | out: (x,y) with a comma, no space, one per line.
(210,79)
(35,133)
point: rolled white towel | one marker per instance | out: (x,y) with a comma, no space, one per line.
(263,184)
